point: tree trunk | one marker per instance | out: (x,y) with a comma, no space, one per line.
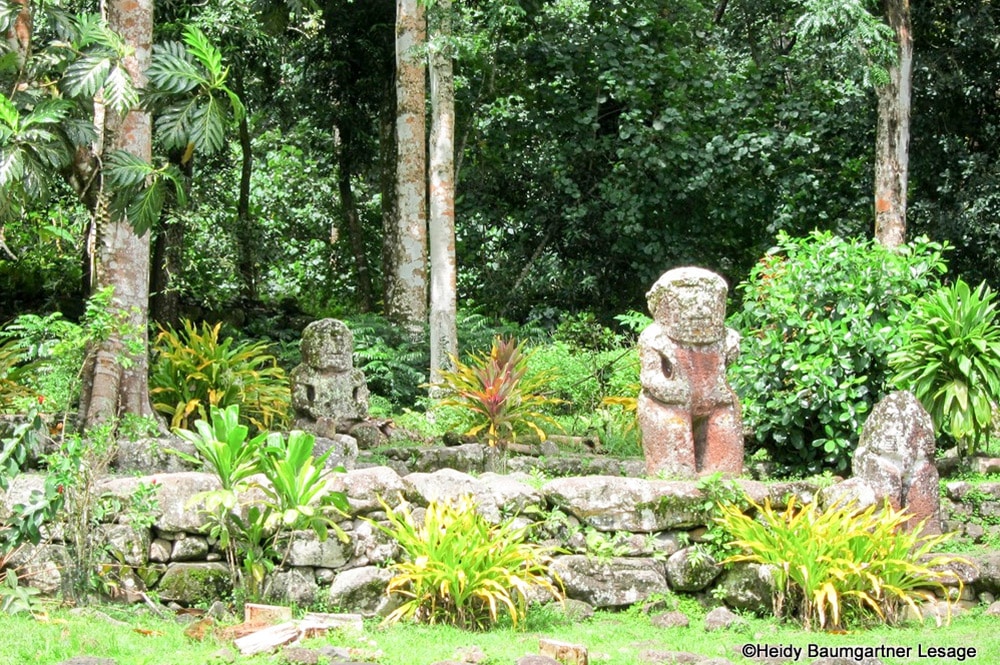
(406,289)
(115,381)
(244,233)
(892,148)
(168,256)
(352,220)
(19,35)
(441,224)
(387,187)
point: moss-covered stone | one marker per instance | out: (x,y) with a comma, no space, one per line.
(188,583)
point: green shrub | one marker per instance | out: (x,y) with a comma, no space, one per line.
(53,349)
(193,370)
(461,570)
(585,377)
(818,322)
(950,359)
(295,494)
(838,567)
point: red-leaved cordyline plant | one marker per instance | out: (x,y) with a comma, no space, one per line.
(498,391)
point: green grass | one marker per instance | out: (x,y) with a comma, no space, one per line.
(612,638)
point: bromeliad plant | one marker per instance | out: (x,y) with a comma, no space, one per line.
(294,488)
(498,392)
(950,359)
(840,565)
(194,370)
(461,570)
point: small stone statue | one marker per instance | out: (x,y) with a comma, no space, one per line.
(894,461)
(326,389)
(689,416)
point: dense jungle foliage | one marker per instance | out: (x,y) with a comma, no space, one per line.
(598,144)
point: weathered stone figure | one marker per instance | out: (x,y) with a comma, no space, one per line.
(689,416)
(326,389)
(895,458)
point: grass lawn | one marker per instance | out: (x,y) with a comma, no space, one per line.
(613,638)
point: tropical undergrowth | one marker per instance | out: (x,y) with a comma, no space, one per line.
(840,567)
(462,570)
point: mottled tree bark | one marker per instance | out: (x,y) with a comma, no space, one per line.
(892,147)
(116,382)
(441,223)
(18,36)
(406,288)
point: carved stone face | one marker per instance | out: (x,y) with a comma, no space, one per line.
(690,304)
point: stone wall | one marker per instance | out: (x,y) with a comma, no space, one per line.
(623,539)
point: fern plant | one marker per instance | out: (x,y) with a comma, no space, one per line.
(193,370)
(394,366)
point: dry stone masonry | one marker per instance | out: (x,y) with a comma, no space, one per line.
(689,416)
(652,530)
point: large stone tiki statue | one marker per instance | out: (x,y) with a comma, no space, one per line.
(689,416)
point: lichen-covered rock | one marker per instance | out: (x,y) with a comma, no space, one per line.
(468,458)
(691,569)
(131,543)
(149,455)
(672,619)
(364,488)
(720,618)
(326,385)
(613,582)
(895,458)
(328,344)
(306,549)
(363,590)
(342,450)
(160,550)
(855,492)
(372,547)
(191,548)
(610,503)
(179,511)
(747,587)
(20,490)
(496,496)
(42,567)
(296,585)
(188,583)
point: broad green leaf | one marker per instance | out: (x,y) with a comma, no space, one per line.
(119,92)
(123,169)
(86,76)
(172,70)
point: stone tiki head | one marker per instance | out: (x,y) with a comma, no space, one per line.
(690,304)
